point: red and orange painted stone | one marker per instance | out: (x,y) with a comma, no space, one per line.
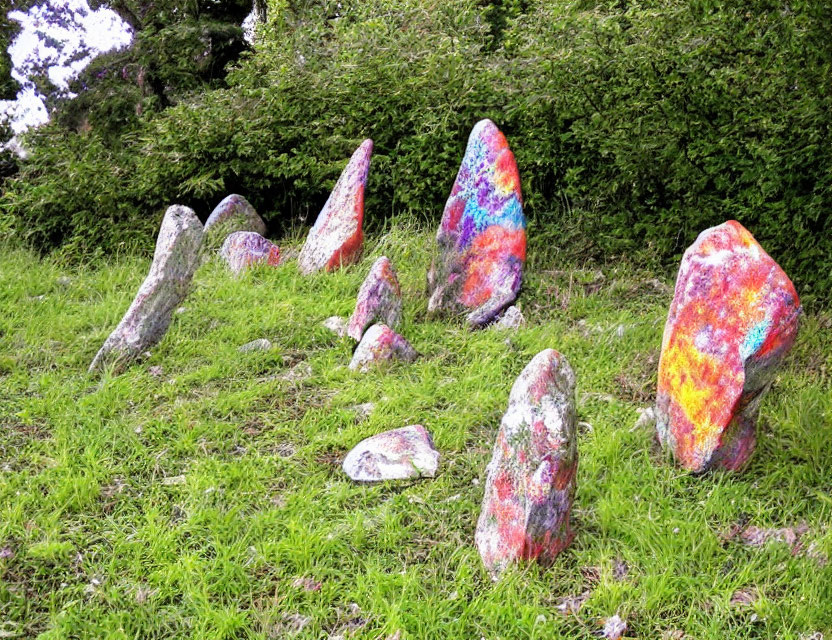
(242,249)
(379,299)
(337,237)
(482,237)
(734,316)
(531,476)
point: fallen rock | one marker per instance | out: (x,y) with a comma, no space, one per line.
(337,325)
(733,318)
(613,628)
(531,477)
(234,213)
(336,238)
(242,249)
(512,318)
(380,343)
(399,454)
(482,237)
(379,300)
(174,262)
(261,344)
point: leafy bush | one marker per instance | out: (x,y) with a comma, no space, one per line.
(635,125)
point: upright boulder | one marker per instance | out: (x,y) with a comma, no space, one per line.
(531,476)
(174,262)
(234,213)
(379,299)
(380,344)
(242,249)
(336,238)
(482,238)
(734,316)
(398,454)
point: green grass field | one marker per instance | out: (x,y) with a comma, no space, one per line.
(199,494)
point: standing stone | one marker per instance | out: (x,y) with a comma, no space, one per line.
(733,318)
(242,249)
(531,476)
(379,299)
(234,213)
(393,455)
(482,238)
(380,343)
(337,237)
(174,262)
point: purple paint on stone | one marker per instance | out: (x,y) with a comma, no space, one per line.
(379,299)
(380,344)
(245,248)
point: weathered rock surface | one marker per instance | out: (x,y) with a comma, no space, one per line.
(242,249)
(482,237)
(234,213)
(393,455)
(531,477)
(379,299)
(337,237)
(512,318)
(380,343)
(337,325)
(167,283)
(261,344)
(734,316)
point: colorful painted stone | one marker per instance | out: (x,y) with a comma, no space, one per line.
(398,454)
(734,316)
(336,238)
(482,238)
(234,213)
(167,283)
(379,299)
(379,344)
(531,477)
(242,249)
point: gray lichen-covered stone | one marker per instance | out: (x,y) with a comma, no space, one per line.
(398,454)
(261,344)
(174,262)
(337,325)
(379,344)
(511,318)
(234,213)
(379,299)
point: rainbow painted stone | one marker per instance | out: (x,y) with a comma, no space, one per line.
(242,249)
(734,316)
(336,238)
(234,213)
(379,344)
(482,238)
(398,454)
(531,477)
(379,299)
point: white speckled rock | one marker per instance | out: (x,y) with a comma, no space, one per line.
(379,344)
(399,454)
(337,237)
(167,283)
(337,325)
(243,249)
(234,213)
(261,344)
(512,318)
(379,299)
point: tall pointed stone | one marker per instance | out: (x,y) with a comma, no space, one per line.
(167,283)
(379,300)
(337,237)
(531,477)
(482,238)
(733,318)
(234,213)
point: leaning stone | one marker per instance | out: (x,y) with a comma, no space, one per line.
(733,318)
(234,213)
(512,318)
(380,343)
(337,237)
(482,237)
(337,325)
(174,262)
(261,344)
(243,249)
(379,300)
(393,455)
(531,477)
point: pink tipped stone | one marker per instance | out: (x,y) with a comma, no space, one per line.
(733,318)
(398,454)
(234,213)
(380,344)
(337,237)
(245,248)
(379,299)
(531,477)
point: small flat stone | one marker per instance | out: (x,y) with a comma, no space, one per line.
(399,454)
(337,325)
(261,344)
(511,319)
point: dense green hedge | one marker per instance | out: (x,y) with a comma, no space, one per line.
(635,125)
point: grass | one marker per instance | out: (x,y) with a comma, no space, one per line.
(206,500)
